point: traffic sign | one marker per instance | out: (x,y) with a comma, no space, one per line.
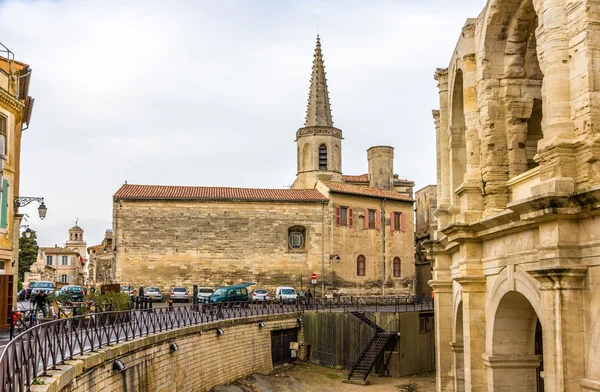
(313,277)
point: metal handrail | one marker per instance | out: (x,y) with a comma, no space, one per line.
(360,350)
(44,346)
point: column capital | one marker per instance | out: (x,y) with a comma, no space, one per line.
(441,286)
(457,347)
(560,278)
(472,284)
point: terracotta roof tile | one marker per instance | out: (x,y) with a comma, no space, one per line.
(165,192)
(55,250)
(359,178)
(340,187)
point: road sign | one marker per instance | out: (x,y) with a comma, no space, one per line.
(313,276)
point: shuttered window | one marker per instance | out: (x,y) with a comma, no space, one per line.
(360,265)
(4,211)
(322,157)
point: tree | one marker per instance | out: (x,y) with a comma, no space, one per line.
(28,249)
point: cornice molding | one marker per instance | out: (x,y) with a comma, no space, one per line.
(10,101)
(319,131)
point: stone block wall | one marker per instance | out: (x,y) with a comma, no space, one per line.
(203,359)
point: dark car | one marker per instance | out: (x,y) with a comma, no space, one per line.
(237,293)
(21,295)
(74,293)
(28,290)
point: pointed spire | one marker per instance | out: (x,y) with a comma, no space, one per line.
(318,112)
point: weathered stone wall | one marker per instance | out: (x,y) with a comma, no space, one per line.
(381,167)
(171,243)
(203,359)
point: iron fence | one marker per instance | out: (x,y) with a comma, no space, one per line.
(41,347)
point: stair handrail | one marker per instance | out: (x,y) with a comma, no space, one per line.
(388,328)
(360,350)
(369,315)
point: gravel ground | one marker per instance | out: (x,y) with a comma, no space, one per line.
(306,377)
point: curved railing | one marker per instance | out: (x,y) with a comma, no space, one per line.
(46,345)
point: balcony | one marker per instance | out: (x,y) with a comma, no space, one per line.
(520,186)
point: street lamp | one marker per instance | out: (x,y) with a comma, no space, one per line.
(27,231)
(335,257)
(22,201)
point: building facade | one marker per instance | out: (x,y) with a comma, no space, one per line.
(517,267)
(15,112)
(61,265)
(425,227)
(100,261)
(354,231)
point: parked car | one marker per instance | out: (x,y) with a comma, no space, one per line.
(153,294)
(128,290)
(74,293)
(179,294)
(285,294)
(237,293)
(38,287)
(28,290)
(21,295)
(204,293)
(260,295)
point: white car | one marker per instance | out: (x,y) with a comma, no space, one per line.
(204,294)
(286,294)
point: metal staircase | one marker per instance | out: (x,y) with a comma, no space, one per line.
(371,347)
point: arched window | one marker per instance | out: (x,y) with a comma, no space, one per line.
(322,157)
(396,267)
(297,238)
(360,266)
(75,236)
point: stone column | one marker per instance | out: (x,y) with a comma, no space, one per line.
(518,112)
(442,286)
(444,186)
(459,366)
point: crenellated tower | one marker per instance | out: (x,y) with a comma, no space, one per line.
(319,142)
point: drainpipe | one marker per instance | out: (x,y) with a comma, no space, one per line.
(383,246)
(322,249)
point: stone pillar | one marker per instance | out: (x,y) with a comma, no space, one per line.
(502,375)
(442,286)
(518,112)
(444,186)
(459,366)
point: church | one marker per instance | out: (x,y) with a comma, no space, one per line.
(354,231)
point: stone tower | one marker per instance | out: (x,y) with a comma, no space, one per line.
(75,241)
(319,142)
(381,167)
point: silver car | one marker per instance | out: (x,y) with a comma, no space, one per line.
(260,295)
(37,287)
(179,294)
(204,293)
(153,294)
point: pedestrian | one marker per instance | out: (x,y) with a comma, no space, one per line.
(141,292)
(40,303)
(308,295)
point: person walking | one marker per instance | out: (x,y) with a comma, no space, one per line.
(40,303)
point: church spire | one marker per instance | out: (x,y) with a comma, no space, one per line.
(318,112)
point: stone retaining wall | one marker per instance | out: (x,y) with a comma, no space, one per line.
(203,359)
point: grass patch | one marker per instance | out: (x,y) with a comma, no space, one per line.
(334,376)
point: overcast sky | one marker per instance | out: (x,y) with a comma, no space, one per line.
(212,92)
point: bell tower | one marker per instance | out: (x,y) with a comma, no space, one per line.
(319,142)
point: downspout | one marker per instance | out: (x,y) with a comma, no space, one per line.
(322,249)
(383,246)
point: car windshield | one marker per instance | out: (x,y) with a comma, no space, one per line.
(125,288)
(288,291)
(153,289)
(205,291)
(220,292)
(75,289)
(260,291)
(42,285)
(179,290)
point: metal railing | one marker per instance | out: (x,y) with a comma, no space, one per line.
(46,345)
(360,350)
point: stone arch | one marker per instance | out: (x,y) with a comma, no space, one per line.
(458,349)
(306,158)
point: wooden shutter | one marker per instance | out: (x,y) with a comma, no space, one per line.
(4,213)
(378,220)
(350,217)
(366,219)
(337,216)
(392,221)
(403,222)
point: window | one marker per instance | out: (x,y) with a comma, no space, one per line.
(396,267)
(322,157)
(371,218)
(64,278)
(49,260)
(2,265)
(4,206)
(297,238)
(426,323)
(343,216)
(398,221)
(3,135)
(360,266)
(65,260)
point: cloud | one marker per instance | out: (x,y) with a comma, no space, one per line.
(212,93)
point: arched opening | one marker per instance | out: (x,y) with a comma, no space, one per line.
(396,267)
(297,239)
(322,157)
(458,350)
(458,151)
(361,265)
(75,237)
(516,357)
(306,158)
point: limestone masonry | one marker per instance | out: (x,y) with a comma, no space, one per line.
(517,247)
(353,231)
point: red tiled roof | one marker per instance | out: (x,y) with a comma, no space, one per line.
(359,178)
(165,192)
(340,187)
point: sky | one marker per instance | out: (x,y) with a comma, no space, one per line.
(211,93)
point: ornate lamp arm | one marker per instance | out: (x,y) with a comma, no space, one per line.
(22,201)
